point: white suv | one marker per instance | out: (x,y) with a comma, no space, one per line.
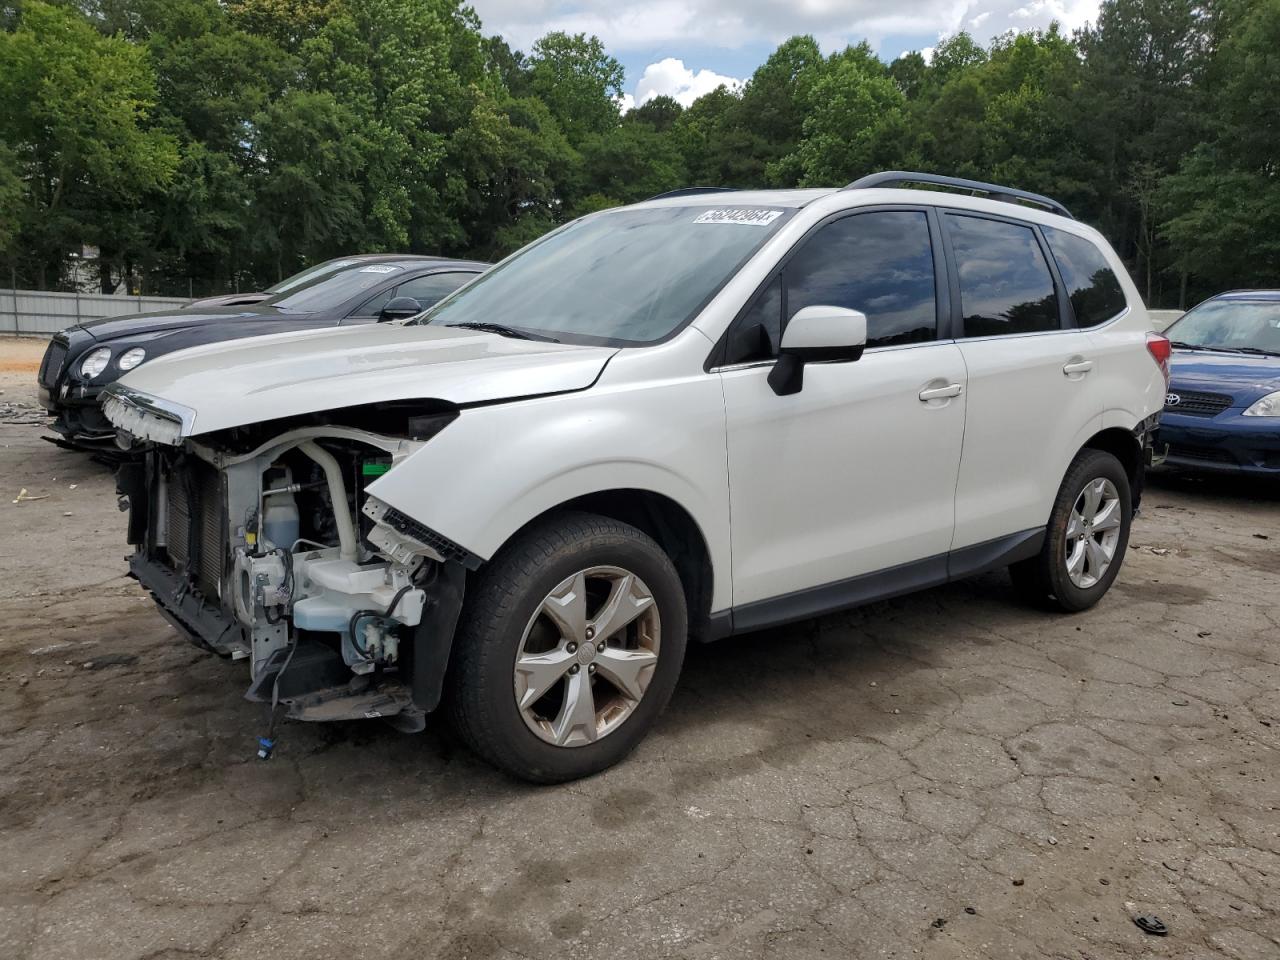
(697,416)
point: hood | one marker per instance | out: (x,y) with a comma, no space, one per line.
(246,381)
(1242,375)
(113,328)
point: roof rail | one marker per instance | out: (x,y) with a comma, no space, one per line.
(993,190)
(689,192)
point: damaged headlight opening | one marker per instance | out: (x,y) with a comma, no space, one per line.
(274,553)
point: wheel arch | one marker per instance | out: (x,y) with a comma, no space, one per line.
(1126,447)
(670,524)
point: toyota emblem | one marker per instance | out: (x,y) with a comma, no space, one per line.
(1172,400)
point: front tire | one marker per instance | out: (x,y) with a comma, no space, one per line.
(1086,539)
(569,647)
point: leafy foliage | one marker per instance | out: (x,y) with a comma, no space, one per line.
(212,144)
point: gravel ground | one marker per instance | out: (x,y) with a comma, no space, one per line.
(947,775)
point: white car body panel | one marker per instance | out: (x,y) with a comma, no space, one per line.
(1025,416)
(814,498)
(247,381)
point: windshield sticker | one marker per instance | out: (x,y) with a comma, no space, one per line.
(379,268)
(749,216)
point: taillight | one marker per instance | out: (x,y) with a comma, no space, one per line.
(1158,347)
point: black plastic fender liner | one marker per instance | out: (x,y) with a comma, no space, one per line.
(433,637)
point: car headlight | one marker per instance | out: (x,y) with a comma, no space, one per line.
(95,362)
(1268,406)
(131,358)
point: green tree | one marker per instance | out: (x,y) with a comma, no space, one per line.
(75,109)
(772,108)
(1222,207)
(854,116)
(508,163)
(1145,67)
(660,113)
(578,82)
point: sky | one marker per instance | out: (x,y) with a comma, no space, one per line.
(685,48)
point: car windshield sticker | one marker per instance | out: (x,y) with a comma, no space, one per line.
(749,216)
(379,268)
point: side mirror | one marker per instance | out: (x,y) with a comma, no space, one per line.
(400,308)
(817,333)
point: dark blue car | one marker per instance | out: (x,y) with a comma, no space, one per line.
(1222,412)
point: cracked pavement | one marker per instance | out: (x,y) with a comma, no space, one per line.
(947,775)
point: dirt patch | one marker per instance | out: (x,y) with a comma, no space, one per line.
(21,355)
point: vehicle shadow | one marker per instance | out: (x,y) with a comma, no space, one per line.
(1223,487)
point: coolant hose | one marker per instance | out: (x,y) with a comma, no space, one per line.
(337,493)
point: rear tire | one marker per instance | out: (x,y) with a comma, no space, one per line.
(545,684)
(1086,539)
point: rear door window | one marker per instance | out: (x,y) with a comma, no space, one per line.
(1005,283)
(1095,291)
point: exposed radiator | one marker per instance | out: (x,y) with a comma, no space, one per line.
(195,492)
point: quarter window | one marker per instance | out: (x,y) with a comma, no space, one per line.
(880,263)
(1005,283)
(1095,291)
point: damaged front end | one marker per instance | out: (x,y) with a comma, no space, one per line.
(261,543)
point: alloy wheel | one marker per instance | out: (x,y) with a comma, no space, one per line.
(1093,532)
(587,656)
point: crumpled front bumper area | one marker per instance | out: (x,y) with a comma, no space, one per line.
(317,686)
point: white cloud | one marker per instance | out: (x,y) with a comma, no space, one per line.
(731,24)
(671,78)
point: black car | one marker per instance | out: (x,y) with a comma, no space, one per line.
(81,360)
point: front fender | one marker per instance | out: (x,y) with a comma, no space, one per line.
(497,467)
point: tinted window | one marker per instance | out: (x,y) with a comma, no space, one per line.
(1094,290)
(880,263)
(755,335)
(1005,283)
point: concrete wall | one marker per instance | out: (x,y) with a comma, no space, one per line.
(42,313)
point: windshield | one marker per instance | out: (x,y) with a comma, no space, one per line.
(1249,325)
(311,273)
(327,290)
(627,277)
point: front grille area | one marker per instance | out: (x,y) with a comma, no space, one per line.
(51,365)
(1211,454)
(1197,404)
(196,533)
